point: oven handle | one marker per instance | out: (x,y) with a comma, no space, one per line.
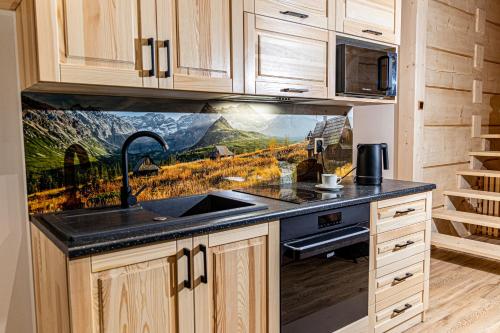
(314,248)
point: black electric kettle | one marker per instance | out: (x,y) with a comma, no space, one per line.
(369,163)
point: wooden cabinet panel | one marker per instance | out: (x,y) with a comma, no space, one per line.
(240,286)
(310,12)
(208,45)
(287,59)
(373,19)
(100,41)
(137,298)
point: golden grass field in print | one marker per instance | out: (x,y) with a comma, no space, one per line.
(176,180)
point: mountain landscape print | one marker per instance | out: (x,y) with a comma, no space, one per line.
(73,157)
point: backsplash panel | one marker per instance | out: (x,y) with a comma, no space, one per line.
(73,156)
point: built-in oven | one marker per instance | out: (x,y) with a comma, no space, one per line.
(324,269)
(366,71)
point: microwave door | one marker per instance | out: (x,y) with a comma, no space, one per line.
(362,71)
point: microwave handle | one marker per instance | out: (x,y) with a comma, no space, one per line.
(384,86)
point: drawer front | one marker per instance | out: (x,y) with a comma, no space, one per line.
(396,282)
(399,313)
(310,12)
(394,214)
(399,248)
(290,90)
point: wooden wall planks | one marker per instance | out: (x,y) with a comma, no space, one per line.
(462,79)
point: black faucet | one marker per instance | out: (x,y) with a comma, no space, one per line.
(127,198)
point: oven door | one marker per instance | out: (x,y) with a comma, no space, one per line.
(366,72)
(324,280)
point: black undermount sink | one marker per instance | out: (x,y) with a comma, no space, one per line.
(82,224)
(209,205)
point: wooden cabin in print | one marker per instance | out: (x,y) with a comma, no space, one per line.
(146,167)
(220,152)
(336,133)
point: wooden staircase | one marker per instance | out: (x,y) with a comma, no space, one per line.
(470,219)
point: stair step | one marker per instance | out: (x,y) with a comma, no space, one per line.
(492,153)
(473,194)
(479,173)
(465,217)
(468,246)
(490,136)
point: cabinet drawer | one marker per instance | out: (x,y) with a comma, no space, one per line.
(399,248)
(399,313)
(395,214)
(396,282)
(291,90)
(310,12)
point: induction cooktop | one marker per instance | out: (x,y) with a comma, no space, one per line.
(294,193)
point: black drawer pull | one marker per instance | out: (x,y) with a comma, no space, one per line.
(400,311)
(290,13)
(404,212)
(402,246)
(187,253)
(373,32)
(294,90)
(401,279)
(204,277)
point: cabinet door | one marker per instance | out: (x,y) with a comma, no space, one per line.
(288,59)
(107,42)
(238,291)
(137,298)
(373,19)
(240,286)
(207,45)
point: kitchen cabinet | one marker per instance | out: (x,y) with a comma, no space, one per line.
(400,262)
(94,42)
(288,59)
(185,45)
(207,41)
(373,19)
(223,281)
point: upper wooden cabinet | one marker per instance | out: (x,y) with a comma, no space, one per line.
(288,59)
(373,19)
(207,41)
(188,45)
(318,13)
(96,42)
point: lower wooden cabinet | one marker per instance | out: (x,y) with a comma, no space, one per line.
(221,282)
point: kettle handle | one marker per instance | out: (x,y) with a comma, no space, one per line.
(385,155)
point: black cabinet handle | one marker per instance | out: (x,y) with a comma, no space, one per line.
(404,212)
(166,45)
(150,43)
(186,252)
(402,246)
(295,14)
(401,279)
(373,32)
(204,277)
(400,311)
(294,90)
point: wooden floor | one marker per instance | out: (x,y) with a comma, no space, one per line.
(464,294)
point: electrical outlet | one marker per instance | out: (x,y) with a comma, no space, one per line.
(319,145)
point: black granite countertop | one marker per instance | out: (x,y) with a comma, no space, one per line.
(144,230)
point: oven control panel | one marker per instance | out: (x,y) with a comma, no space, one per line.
(329,220)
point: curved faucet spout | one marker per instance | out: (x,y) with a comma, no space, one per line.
(126,196)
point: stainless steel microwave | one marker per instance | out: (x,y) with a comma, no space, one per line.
(366,72)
